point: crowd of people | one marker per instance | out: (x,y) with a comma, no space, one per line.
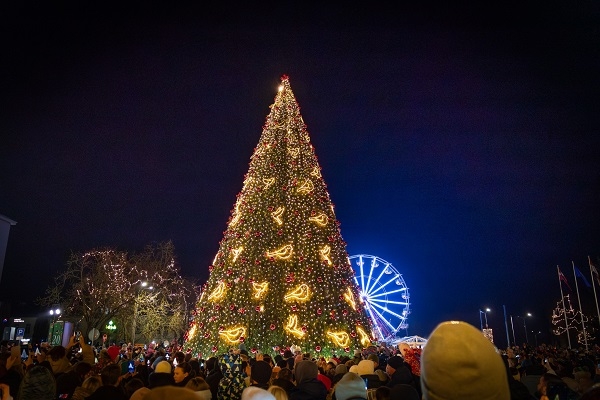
(458,362)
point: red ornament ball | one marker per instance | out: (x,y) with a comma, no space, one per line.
(318,348)
(214,349)
(272,327)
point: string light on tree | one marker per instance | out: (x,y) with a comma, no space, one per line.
(293,254)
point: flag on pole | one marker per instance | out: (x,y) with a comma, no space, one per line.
(563,278)
(593,266)
(580,275)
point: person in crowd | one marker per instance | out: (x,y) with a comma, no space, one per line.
(38,384)
(89,386)
(378,369)
(340,371)
(5,392)
(170,393)
(232,383)
(324,379)
(161,376)
(583,379)
(179,357)
(458,362)
(398,372)
(350,387)
(288,357)
(383,393)
(197,370)
(284,380)
(132,386)
(9,375)
(278,392)
(308,387)
(140,393)
(67,383)
(213,375)
(182,373)
(260,374)
(110,389)
(256,393)
(552,387)
(412,357)
(404,392)
(518,390)
(366,370)
(200,387)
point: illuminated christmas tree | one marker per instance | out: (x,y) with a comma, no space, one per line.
(282,276)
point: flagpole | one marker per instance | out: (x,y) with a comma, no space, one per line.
(580,309)
(562,296)
(594,285)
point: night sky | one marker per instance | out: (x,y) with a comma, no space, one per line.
(459,143)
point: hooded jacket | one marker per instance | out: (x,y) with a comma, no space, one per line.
(308,387)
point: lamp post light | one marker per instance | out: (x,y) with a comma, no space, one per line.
(55,312)
(524,326)
(143,286)
(487,310)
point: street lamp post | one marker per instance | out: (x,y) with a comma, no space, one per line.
(143,285)
(55,313)
(485,315)
(524,326)
(512,327)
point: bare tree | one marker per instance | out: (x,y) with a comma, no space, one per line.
(144,293)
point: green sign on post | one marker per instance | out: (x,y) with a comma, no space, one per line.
(56,333)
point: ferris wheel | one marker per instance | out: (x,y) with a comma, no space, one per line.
(383,293)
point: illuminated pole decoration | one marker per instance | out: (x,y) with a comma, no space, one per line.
(55,337)
(281,276)
(487,332)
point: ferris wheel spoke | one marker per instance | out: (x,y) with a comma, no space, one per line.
(383,319)
(371,285)
(380,288)
(387,310)
(376,325)
(402,303)
(362,274)
(386,293)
